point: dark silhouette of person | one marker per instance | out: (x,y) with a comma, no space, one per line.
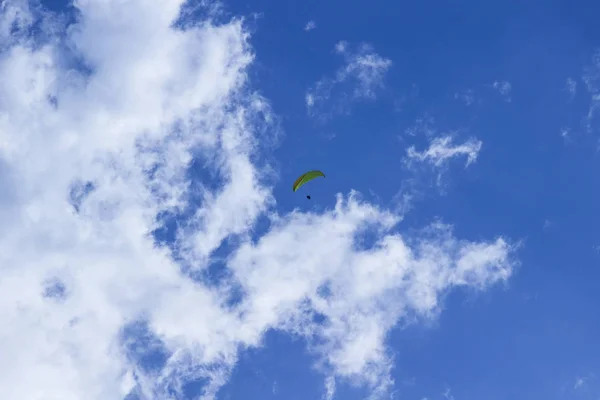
(308,197)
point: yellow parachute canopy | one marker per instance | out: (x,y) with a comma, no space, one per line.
(307,176)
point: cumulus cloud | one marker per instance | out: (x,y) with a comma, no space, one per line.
(310,25)
(360,78)
(129,153)
(442,149)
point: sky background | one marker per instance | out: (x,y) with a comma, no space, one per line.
(151,246)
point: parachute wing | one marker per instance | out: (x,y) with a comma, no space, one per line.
(308,176)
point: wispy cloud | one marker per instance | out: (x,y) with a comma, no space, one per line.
(448,394)
(565,133)
(504,88)
(310,25)
(109,225)
(585,383)
(466,96)
(571,87)
(592,113)
(479,93)
(442,149)
(591,73)
(437,156)
(360,78)
(591,78)
(422,126)
(329,388)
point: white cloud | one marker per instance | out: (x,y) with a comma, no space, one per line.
(310,25)
(361,77)
(341,47)
(585,382)
(475,96)
(90,162)
(424,125)
(437,156)
(442,149)
(591,74)
(448,394)
(329,388)
(592,112)
(571,86)
(591,78)
(504,88)
(466,96)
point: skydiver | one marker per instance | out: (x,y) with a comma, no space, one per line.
(308,196)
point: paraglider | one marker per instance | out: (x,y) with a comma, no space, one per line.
(306,177)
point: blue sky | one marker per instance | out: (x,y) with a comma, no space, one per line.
(451,252)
